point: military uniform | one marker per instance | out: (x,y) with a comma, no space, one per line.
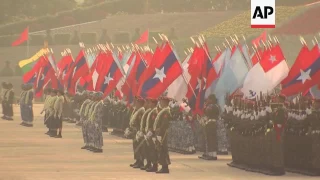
(50,114)
(85,111)
(211,112)
(26,105)
(134,126)
(7,102)
(160,127)
(95,118)
(58,111)
(151,152)
(4,89)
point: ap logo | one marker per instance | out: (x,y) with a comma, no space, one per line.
(263,14)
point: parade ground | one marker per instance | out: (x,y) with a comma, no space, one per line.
(29,154)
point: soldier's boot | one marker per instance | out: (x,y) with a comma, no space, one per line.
(203,156)
(131,165)
(59,135)
(147,166)
(163,170)
(153,168)
(97,150)
(212,156)
(49,132)
(53,133)
(85,147)
(138,165)
(10,118)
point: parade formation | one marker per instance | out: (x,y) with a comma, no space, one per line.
(211,105)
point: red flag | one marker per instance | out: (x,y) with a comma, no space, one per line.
(23,37)
(144,38)
(262,37)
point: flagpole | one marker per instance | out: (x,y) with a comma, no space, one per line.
(28,44)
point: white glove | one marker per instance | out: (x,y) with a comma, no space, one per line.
(159,138)
(149,134)
(279,125)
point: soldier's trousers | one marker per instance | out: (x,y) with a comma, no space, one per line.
(151,154)
(211,136)
(84,132)
(163,154)
(134,147)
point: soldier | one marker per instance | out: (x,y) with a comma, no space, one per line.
(85,111)
(134,126)
(151,152)
(314,132)
(211,114)
(96,121)
(28,105)
(58,109)
(8,102)
(22,104)
(140,138)
(47,96)
(4,89)
(50,112)
(160,127)
(82,120)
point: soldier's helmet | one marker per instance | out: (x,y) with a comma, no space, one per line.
(9,86)
(212,98)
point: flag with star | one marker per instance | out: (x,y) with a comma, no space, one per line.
(78,69)
(304,73)
(160,73)
(109,75)
(134,75)
(31,75)
(266,74)
(45,75)
(63,67)
(195,82)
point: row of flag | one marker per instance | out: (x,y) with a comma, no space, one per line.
(132,71)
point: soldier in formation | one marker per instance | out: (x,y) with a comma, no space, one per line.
(7,101)
(209,122)
(134,127)
(91,114)
(256,128)
(26,105)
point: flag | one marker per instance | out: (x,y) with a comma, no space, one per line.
(23,37)
(232,76)
(79,68)
(259,39)
(267,74)
(27,64)
(179,87)
(109,76)
(304,73)
(160,74)
(143,38)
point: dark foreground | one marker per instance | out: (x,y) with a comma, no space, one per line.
(29,154)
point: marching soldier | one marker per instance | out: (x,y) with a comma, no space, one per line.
(151,152)
(27,105)
(211,114)
(58,109)
(160,127)
(7,102)
(140,138)
(83,119)
(4,89)
(96,121)
(85,111)
(50,112)
(134,126)
(47,97)
(22,104)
